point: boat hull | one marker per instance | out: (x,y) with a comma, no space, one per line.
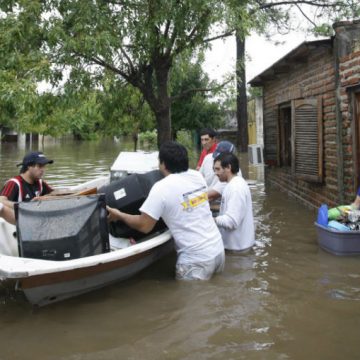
(49,288)
(47,281)
(345,243)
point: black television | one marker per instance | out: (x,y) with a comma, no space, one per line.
(62,228)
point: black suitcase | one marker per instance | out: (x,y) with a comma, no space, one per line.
(62,228)
(127,195)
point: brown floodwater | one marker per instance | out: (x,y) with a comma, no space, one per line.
(287,299)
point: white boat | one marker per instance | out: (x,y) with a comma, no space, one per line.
(46,281)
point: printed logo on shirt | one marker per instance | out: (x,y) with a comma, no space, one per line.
(194,199)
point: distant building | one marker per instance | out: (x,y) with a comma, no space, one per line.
(255,125)
(10,135)
(229,130)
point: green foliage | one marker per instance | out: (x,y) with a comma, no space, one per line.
(148,139)
(130,39)
(191,108)
(239,18)
(136,40)
(254,92)
(22,63)
(123,109)
(185,138)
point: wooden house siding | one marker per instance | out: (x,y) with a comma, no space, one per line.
(307,80)
(326,74)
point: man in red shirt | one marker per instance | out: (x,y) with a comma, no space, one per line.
(208,142)
(28,184)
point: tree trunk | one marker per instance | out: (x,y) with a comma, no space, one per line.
(157,96)
(241,99)
(135,138)
(163,122)
(163,104)
(161,108)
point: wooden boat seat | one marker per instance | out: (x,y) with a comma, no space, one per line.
(61,194)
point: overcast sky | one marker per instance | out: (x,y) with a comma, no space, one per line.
(261,54)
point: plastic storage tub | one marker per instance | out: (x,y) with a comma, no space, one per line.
(338,242)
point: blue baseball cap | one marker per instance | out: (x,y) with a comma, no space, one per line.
(35,157)
(223,147)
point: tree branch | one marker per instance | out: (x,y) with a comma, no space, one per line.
(191,38)
(171,44)
(324,4)
(189,91)
(114,2)
(167,27)
(194,30)
(172,38)
(305,16)
(224,35)
(108,66)
(127,58)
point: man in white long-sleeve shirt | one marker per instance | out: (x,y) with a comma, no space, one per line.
(235,220)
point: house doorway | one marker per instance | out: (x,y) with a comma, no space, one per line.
(285,135)
(357,127)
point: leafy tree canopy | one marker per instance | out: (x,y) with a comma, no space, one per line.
(22,63)
(123,109)
(192,109)
(136,40)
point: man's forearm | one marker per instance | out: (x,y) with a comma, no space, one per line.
(133,221)
(213,195)
(143,223)
(7,214)
(4,200)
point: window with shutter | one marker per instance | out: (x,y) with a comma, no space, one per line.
(307,139)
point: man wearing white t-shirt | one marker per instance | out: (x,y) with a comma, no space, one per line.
(235,219)
(180,199)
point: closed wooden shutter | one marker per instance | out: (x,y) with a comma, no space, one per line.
(307,141)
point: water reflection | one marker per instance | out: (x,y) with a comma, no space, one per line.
(286,299)
(74,162)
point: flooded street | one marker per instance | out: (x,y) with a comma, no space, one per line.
(287,299)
